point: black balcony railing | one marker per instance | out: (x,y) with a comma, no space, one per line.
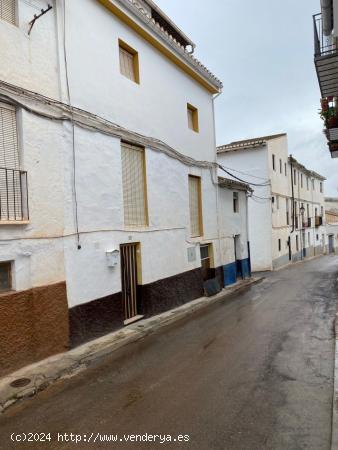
(13,195)
(324,45)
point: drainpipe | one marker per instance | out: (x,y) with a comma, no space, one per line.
(217,186)
(247,231)
(293,197)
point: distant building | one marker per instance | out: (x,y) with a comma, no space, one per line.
(331,220)
(286,209)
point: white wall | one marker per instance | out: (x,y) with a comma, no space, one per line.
(30,61)
(252,165)
(156,107)
(232,224)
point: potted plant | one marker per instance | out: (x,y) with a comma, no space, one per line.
(330,116)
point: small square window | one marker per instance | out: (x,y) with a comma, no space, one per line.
(192,118)
(129,63)
(235,202)
(5,276)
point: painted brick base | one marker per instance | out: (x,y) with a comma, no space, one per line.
(33,325)
(102,316)
(95,319)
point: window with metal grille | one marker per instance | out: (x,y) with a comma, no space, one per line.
(192,118)
(5,276)
(129,64)
(134,186)
(12,180)
(8,10)
(195,204)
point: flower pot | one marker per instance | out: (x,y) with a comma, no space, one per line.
(332,122)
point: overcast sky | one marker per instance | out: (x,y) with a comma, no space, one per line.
(263,52)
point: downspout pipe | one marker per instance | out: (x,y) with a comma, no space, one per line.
(327,8)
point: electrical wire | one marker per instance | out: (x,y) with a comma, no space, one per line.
(241,180)
(245,173)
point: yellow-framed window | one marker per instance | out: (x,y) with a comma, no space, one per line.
(192,118)
(134,185)
(195,205)
(129,62)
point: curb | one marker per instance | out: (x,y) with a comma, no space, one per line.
(334,439)
(65,365)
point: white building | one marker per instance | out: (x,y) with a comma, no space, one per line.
(286,210)
(108,187)
(331,221)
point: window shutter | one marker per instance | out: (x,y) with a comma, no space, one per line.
(7,10)
(10,177)
(195,206)
(9,156)
(127,64)
(134,186)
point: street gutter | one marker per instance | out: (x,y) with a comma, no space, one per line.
(66,365)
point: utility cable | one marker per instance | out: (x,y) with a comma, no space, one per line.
(240,179)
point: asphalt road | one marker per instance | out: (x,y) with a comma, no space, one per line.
(252,372)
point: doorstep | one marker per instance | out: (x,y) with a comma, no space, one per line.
(32,379)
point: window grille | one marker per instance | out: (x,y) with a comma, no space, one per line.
(7,10)
(195,206)
(134,186)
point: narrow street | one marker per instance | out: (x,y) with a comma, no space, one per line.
(252,372)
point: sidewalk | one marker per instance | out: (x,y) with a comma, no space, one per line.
(29,380)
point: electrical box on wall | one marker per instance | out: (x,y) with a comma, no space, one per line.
(191,254)
(112,257)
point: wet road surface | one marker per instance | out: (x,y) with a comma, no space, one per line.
(252,372)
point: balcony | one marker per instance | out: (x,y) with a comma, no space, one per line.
(13,196)
(326,59)
(326,62)
(318,221)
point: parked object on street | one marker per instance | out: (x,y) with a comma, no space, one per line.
(286,209)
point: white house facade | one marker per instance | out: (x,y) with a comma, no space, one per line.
(111,206)
(286,209)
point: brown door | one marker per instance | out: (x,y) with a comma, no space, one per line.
(129,280)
